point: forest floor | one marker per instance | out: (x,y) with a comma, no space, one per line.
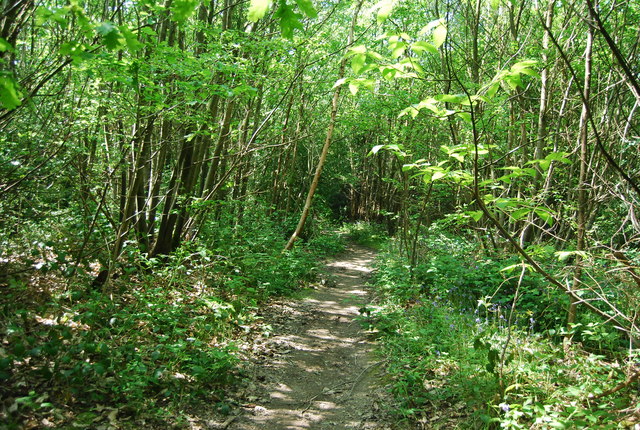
(316,370)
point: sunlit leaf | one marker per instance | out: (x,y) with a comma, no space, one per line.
(493,89)
(421,47)
(339,82)
(475,215)
(398,49)
(545,215)
(357,62)
(430,26)
(438,175)
(439,35)
(181,10)
(451,98)
(258,9)
(384,9)
(388,72)
(375,149)
(358,49)
(525,67)
(564,255)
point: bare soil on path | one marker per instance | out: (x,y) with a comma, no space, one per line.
(316,370)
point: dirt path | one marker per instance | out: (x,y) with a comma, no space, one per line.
(317,370)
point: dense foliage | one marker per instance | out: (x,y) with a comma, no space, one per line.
(461,354)
(155,158)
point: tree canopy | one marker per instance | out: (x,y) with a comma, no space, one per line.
(138,137)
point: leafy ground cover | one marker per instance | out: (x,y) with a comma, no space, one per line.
(460,355)
(153,345)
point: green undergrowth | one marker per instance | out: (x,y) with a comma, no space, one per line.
(458,357)
(367,234)
(155,344)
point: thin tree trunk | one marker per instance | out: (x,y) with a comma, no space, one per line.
(327,142)
(582,192)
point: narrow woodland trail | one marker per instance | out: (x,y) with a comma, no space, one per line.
(317,370)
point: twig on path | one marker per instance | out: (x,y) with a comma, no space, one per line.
(311,400)
(355,382)
(363,372)
(224,425)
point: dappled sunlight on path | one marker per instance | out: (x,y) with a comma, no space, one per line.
(321,374)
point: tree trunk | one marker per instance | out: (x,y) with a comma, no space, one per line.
(582,192)
(328,139)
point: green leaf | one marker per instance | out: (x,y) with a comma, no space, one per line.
(512,267)
(513,80)
(558,156)
(10,96)
(504,203)
(183,9)
(374,55)
(258,9)
(357,62)
(493,89)
(564,255)
(43,14)
(353,88)
(105,28)
(475,215)
(466,116)
(427,28)
(525,67)
(410,110)
(545,215)
(397,49)
(421,47)
(365,83)
(451,98)
(111,36)
(410,63)
(438,175)
(375,149)
(6,46)
(339,82)
(439,35)
(130,38)
(358,49)
(307,8)
(384,9)
(388,73)
(519,214)
(289,20)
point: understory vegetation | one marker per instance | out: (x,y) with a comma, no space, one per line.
(159,342)
(167,167)
(462,351)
